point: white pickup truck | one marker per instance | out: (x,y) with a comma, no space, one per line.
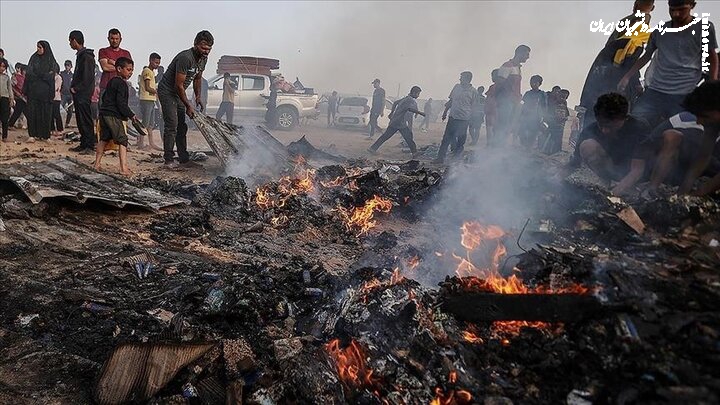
(251,95)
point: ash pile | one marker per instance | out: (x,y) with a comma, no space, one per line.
(388,282)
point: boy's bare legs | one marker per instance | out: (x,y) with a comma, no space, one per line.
(151,140)
(99,151)
(141,142)
(124,169)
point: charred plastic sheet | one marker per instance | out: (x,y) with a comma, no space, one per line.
(229,141)
(70,179)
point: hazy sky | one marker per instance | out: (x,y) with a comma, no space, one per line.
(342,45)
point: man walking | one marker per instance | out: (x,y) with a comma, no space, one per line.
(400,115)
(185,68)
(65,95)
(81,88)
(108,56)
(460,104)
(378,107)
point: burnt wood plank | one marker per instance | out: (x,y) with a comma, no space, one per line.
(485,307)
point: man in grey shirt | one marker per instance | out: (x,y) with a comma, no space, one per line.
(401,113)
(460,104)
(185,68)
(677,66)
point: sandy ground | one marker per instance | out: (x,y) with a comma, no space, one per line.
(345,142)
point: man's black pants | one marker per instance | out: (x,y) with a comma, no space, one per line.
(57,123)
(85,122)
(173,111)
(19,108)
(405,132)
(454,138)
(4,115)
(373,122)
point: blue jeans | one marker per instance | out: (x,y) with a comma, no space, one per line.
(453,138)
(654,106)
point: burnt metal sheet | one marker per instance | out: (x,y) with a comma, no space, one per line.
(135,372)
(68,178)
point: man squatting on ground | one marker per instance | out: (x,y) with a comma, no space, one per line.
(611,146)
(114,112)
(401,114)
(185,68)
(687,145)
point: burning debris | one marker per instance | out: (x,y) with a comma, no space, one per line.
(333,297)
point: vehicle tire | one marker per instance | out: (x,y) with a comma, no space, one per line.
(287,118)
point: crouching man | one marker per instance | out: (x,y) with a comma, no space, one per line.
(687,144)
(612,146)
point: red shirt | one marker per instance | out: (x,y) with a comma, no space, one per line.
(114,54)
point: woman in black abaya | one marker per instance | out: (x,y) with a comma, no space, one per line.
(40,90)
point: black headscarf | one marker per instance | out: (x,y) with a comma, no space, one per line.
(41,65)
(41,68)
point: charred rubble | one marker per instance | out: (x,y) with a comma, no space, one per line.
(343,284)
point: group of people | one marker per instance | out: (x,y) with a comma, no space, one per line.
(502,108)
(666,131)
(39,89)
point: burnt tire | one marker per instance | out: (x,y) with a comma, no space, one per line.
(286,118)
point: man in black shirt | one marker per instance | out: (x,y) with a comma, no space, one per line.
(114,111)
(611,146)
(186,67)
(82,87)
(378,107)
(65,93)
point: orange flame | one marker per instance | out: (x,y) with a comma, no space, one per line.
(362,218)
(286,187)
(472,337)
(333,183)
(279,220)
(474,236)
(351,364)
(454,396)
(413,263)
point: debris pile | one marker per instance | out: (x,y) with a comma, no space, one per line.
(334,285)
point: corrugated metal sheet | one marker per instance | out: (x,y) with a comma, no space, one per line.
(67,178)
(137,371)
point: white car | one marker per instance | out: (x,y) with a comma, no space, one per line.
(354,112)
(252,91)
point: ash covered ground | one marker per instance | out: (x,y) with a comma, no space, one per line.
(336,284)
